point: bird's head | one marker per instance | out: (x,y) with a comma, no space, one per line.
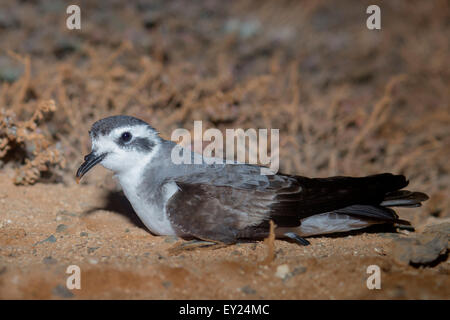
(119,143)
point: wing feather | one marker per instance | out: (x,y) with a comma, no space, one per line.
(239,202)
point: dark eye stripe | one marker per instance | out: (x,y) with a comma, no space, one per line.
(143,144)
(138,144)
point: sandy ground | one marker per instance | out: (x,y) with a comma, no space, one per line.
(46,227)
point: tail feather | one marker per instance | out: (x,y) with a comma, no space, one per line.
(404,198)
(373,214)
(380,212)
(366,199)
(369,212)
(321,195)
(339,204)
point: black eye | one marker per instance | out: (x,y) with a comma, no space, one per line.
(126,136)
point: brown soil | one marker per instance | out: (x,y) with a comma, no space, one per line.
(347,101)
(120,259)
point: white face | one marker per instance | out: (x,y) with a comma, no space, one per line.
(126,147)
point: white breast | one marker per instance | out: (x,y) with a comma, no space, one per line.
(153,216)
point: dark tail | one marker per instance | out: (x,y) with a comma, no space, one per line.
(382,212)
(366,197)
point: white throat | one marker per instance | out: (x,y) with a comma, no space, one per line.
(131,178)
(153,217)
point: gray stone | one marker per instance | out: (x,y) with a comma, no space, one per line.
(61,228)
(92,249)
(420,250)
(51,239)
(49,260)
(248,290)
(62,291)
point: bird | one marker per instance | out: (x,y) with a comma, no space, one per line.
(229,203)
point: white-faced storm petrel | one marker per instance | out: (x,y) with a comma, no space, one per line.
(226,203)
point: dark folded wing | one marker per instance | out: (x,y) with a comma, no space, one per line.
(216,212)
(226,203)
(238,203)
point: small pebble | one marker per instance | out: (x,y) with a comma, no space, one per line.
(298,270)
(49,260)
(62,291)
(282,271)
(51,239)
(92,249)
(248,290)
(67,213)
(61,228)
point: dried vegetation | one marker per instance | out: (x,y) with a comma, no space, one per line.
(347,100)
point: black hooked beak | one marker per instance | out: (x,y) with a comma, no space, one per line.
(90,161)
